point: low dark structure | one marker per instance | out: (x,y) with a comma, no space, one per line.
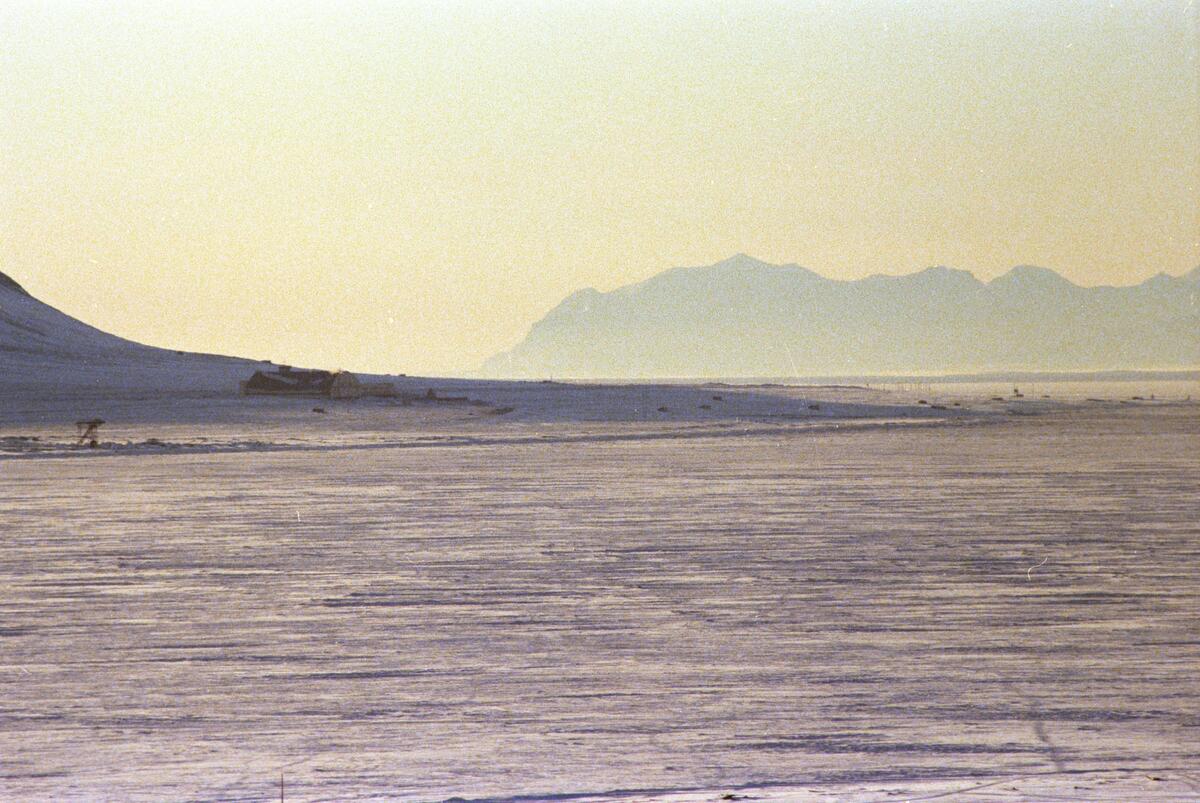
(289,381)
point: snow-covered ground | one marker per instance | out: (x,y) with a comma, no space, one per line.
(998,607)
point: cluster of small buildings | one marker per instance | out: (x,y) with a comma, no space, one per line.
(289,381)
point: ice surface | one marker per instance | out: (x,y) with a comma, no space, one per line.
(415,603)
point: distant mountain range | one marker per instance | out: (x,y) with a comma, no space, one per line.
(738,318)
(743,317)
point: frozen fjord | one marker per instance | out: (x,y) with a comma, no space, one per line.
(504,618)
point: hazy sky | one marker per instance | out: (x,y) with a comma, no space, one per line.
(406,187)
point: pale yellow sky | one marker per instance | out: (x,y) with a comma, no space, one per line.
(406,187)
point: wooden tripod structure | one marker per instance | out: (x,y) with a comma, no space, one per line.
(88,431)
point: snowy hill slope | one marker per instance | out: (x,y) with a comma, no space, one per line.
(29,326)
(44,352)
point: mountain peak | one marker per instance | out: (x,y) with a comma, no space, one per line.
(942,272)
(740,260)
(738,270)
(935,276)
(744,263)
(1031,276)
(9,283)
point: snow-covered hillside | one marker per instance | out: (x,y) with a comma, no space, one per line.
(45,353)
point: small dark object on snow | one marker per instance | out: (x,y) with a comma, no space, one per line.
(501,411)
(706,407)
(937,407)
(431,394)
(664,409)
(318,409)
(718,398)
(997,398)
(814,407)
(88,430)
(922,401)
